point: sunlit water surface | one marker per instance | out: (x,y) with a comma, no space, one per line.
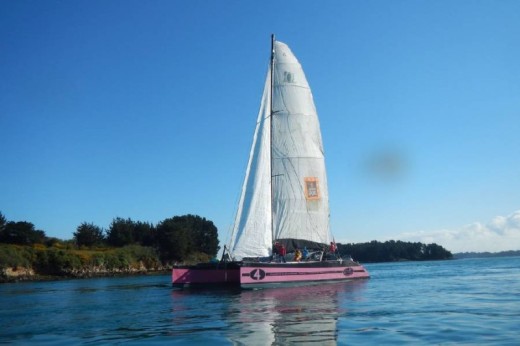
(473,301)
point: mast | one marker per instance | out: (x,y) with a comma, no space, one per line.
(271,139)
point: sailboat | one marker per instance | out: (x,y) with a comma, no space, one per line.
(281,235)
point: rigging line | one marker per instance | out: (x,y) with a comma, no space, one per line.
(298,86)
(273,113)
(271,140)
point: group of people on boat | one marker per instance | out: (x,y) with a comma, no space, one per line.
(279,252)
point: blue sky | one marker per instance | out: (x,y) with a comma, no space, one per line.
(146,109)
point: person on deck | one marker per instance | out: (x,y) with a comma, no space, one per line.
(297,255)
(276,248)
(282,251)
(332,247)
(305,253)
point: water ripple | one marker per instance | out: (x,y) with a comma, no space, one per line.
(450,303)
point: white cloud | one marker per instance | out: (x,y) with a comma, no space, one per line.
(501,234)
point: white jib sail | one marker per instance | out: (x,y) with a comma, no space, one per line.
(300,207)
(252,236)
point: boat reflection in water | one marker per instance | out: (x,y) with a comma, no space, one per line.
(304,314)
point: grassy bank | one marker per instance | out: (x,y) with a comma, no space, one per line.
(20,262)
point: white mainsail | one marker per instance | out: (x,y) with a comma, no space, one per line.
(292,160)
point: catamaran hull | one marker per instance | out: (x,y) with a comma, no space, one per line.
(261,275)
(249,275)
(206,275)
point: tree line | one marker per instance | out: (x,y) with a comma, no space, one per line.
(391,251)
(175,239)
(191,238)
(508,253)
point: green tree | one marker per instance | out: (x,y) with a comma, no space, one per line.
(144,233)
(434,251)
(203,233)
(389,251)
(181,236)
(88,234)
(121,232)
(3,222)
(22,233)
(173,240)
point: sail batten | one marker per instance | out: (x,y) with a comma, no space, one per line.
(285,193)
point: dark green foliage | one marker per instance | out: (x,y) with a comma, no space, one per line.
(15,256)
(147,255)
(3,222)
(74,262)
(187,238)
(116,260)
(121,232)
(136,254)
(181,236)
(144,233)
(51,241)
(203,234)
(55,261)
(87,234)
(22,233)
(173,239)
(434,251)
(61,261)
(390,251)
(41,264)
(124,232)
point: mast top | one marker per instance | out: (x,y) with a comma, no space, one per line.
(272,46)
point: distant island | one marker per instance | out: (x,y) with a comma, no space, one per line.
(394,251)
(509,253)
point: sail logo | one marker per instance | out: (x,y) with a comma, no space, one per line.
(288,77)
(312,190)
(257,274)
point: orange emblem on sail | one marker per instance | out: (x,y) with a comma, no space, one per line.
(312,189)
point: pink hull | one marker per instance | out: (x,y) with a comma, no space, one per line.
(193,276)
(266,276)
(256,274)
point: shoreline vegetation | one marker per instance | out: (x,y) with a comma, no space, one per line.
(38,262)
(125,247)
(130,247)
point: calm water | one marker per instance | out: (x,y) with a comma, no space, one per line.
(474,301)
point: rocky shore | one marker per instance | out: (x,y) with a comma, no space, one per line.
(19,274)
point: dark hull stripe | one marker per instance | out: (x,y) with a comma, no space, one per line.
(299,273)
